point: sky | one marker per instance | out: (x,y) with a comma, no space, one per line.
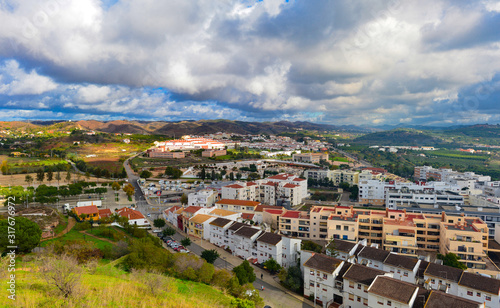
(427,62)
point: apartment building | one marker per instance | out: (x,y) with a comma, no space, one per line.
(279,189)
(440,299)
(465,237)
(402,196)
(443,278)
(203,198)
(213,153)
(375,191)
(158,153)
(317,174)
(447,175)
(402,267)
(345,176)
(269,246)
(312,158)
(198,224)
(295,224)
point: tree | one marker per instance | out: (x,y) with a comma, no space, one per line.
(159,223)
(145,174)
(451,259)
(58,177)
(5,167)
(331,249)
(50,175)
(27,237)
(238,176)
(28,179)
(68,176)
(62,272)
(231,176)
(40,175)
(186,242)
(129,190)
(272,266)
(210,255)
(292,278)
(169,231)
(309,245)
(87,175)
(253,176)
(115,186)
(184,199)
(203,174)
(244,273)
(212,177)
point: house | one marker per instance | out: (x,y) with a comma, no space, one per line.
(479,289)
(240,206)
(218,232)
(345,250)
(373,257)
(386,291)
(105,213)
(291,250)
(244,242)
(441,299)
(225,213)
(170,214)
(269,246)
(357,280)
(443,278)
(404,268)
(198,224)
(203,198)
(134,217)
(90,212)
(319,275)
(230,232)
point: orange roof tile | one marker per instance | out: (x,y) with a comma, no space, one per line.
(90,209)
(238,202)
(130,213)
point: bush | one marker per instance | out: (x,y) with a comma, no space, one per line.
(85,225)
(210,255)
(244,273)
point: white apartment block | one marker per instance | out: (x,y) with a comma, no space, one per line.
(404,196)
(389,292)
(218,232)
(203,198)
(320,272)
(245,242)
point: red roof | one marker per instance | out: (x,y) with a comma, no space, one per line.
(192,209)
(262,207)
(238,202)
(298,179)
(247,216)
(251,183)
(280,176)
(172,209)
(292,214)
(234,186)
(288,185)
(90,209)
(105,213)
(130,213)
(274,212)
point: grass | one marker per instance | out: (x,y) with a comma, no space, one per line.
(110,286)
(74,235)
(63,223)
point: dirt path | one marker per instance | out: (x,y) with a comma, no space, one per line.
(96,237)
(71,224)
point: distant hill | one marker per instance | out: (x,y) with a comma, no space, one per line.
(184,127)
(399,136)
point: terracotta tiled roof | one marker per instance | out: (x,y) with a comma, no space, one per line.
(221,212)
(130,213)
(262,207)
(90,209)
(200,218)
(238,202)
(234,186)
(105,213)
(288,185)
(172,209)
(247,216)
(192,209)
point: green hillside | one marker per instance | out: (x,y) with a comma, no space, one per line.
(400,136)
(108,286)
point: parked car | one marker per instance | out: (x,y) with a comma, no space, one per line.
(184,250)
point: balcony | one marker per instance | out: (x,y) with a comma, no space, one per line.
(304,229)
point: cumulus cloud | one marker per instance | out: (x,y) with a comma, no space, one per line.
(339,62)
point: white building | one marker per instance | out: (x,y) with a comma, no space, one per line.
(320,272)
(134,217)
(357,280)
(218,232)
(402,267)
(203,198)
(386,291)
(269,245)
(479,289)
(244,242)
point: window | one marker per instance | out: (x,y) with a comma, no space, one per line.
(359,286)
(337,227)
(324,276)
(478,294)
(470,293)
(351,297)
(488,298)
(389,303)
(359,299)
(351,284)
(405,274)
(433,281)
(311,284)
(346,228)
